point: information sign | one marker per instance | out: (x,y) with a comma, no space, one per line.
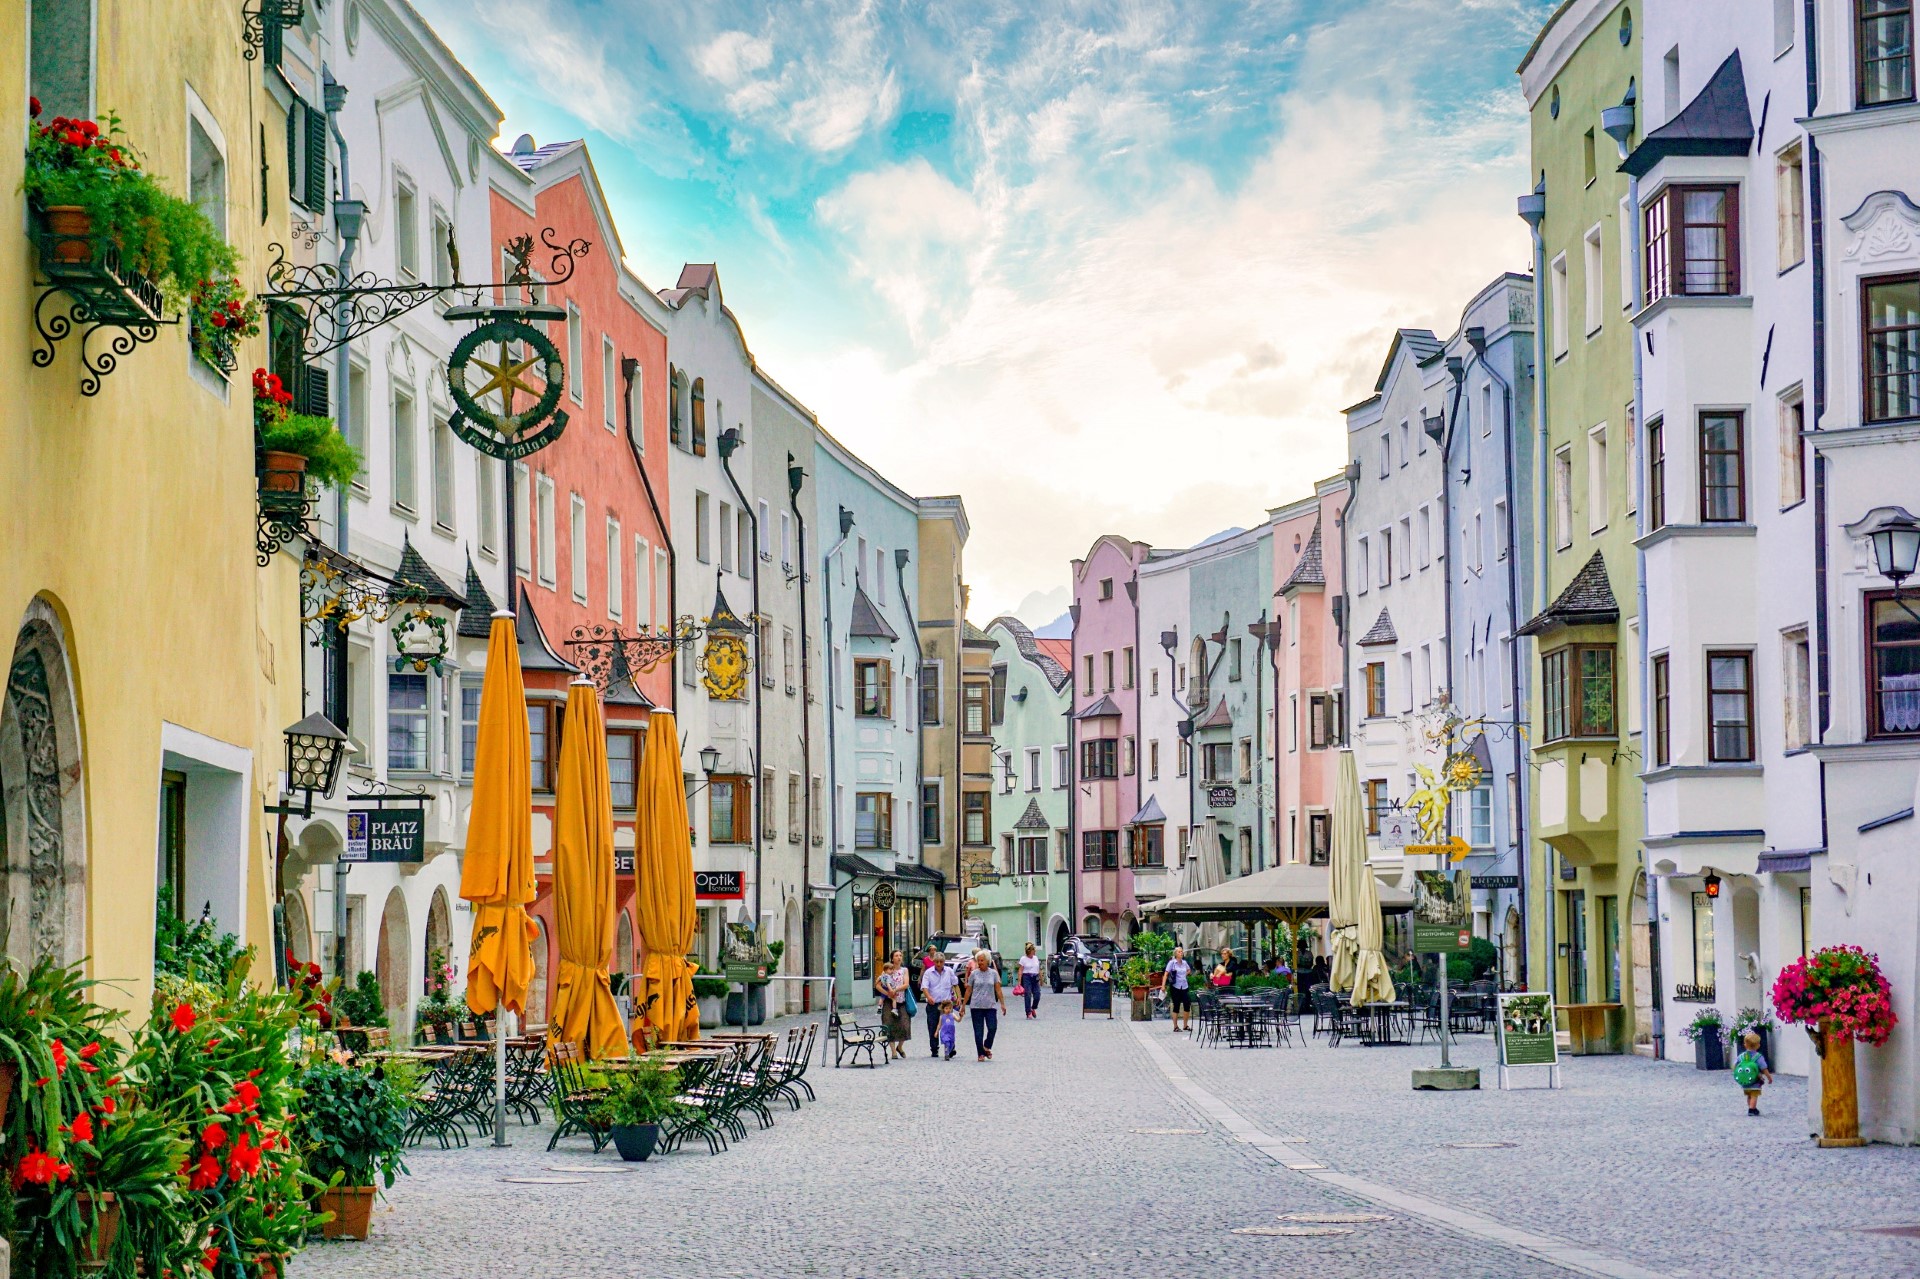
(1096,996)
(1526,1033)
(1397,830)
(742,971)
(386,835)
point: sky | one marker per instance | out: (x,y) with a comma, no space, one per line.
(1098,266)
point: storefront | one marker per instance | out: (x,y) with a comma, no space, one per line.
(879,910)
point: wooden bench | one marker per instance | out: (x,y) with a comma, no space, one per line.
(855,1038)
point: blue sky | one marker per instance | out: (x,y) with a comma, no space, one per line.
(1097,265)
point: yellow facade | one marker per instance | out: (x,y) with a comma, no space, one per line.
(943,619)
(127,534)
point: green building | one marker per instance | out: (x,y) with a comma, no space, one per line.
(1583,875)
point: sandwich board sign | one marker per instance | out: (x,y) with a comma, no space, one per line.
(1526,1031)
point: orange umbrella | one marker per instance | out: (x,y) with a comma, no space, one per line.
(663,897)
(497,874)
(583,1009)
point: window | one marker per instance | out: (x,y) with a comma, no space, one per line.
(1589,158)
(1088,665)
(406,229)
(873,820)
(930,813)
(1406,547)
(1126,669)
(1405,440)
(616,576)
(1385,566)
(1793,448)
(873,688)
(1033,768)
(662,587)
(1595,268)
(62,58)
(789,660)
(1245,771)
(1319,838)
(1320,733)
(1362,577)
(1128,755)
(544,720)
(1422,547)
(1656,475)
(697,439)
(486,485)
(1386,454)
(576,375)
(1563,497)
(1216,762)
(577,546)
(1782,26)
(443,506)
(442,246)
(1100,850)
(978,694)
(1723,489)
(1797,680)
(1106,662)
(702,543)
(726,535)
(1576,692)
(730,810)
(1790,201)
(1146,847)
(1597,479)
(1106,588)
(1630,464)
(642,612)
(407,723)
(1233,658)
(1100,759)
(975,830)
(1730,707)
(1031,855)
(522,519)
(1702,941)
(1062,767)
(743,547)
(1893,667)
(469,723)
(404,447)
(359,417)
(1693,242)
(1182,758)
(1378,805)
(1625,221)
(1890,350)
(1153,759)
(1375,675)
(1662,714)
(549,540)
(609,384)
(930,693)
(623,758)
(795,818)
(1559,287)
(1885,42)
(1477,813)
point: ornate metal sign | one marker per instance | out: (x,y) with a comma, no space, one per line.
(504,430)
(610,657)
(726,658)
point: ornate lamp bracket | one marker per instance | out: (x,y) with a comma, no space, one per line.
(256,16)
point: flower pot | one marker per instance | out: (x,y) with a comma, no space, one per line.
(72,228)
(635,1141)
(1709,1053)
(102,1209)
(1156,980)
(352,1209)
(735,1013)
(1839,1089)
(711,1006)
(282,472)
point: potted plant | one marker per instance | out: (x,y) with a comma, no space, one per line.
(1134,974)
(220,314)
(361,1004)
(1757,1020)
(129,1164)
(639,1099)
(296,447)
(1705,1033)
(1839,994)
(353,1129)
(710,993)
(1156,949)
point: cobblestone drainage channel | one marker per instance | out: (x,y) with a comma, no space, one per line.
(545,1181)
(1293,1231)
(1481,1145)
(1171,1132)
(1335,1218)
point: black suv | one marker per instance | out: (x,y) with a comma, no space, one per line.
(1067,966)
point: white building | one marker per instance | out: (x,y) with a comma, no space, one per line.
(1165,623)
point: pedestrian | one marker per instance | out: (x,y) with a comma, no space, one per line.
(983,994)
(937,986)
(891,985)
(1222,975)
(1750,1070)
(949,1030)
(1030,981)
(1180,990)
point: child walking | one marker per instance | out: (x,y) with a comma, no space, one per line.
(1750,1070)
(949,1027)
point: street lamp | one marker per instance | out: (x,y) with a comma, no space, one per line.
(314,751)
(709,760)
(1711,882)
(1896,543)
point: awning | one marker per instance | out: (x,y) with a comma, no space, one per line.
(1788,861)
(1294,888)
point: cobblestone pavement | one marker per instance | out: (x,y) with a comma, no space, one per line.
(1036,1165)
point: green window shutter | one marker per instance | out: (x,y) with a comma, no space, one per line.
(314,394)
(316,197)
(296,190)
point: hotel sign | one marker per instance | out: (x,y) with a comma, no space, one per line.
(386,835)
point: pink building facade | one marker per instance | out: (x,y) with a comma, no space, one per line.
(1104,751)
(1309,681)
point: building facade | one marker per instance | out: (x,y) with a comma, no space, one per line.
(956,782)
(1164,756)
(1106,717)
(1309,670)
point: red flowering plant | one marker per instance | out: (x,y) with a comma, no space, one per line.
(221,314)
(278,428)
(1838,989)
(311,993)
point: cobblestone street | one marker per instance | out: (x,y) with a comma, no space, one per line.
(1105,1148)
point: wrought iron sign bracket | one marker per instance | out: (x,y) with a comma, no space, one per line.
(337,590)
(283,517)
(339,310)
(255,17)
(610,657)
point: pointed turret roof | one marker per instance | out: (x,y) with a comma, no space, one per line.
(866,622)
(1033,818)
(476,619)
(1587,601)
(1717,122)
(1381,632)
(415,573)
(1312,568)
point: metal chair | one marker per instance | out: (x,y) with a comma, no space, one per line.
(574,1099)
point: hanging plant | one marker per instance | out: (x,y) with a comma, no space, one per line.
(278,429)
(1838,990)
(220,315)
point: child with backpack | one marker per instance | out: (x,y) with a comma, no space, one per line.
(1750,1070)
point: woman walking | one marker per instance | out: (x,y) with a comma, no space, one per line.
(1180,990)
(891,986)
(1030,981)
(983,995)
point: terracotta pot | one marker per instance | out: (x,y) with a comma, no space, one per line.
(103,1209)
(1839,1090)
(72,226)
(1156,980)
(352,1209)
(282,472)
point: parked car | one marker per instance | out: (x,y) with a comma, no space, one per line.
(1068,965)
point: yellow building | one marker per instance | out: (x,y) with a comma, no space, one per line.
(152,667)
(943,767)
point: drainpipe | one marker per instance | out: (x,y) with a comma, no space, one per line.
(795,477)
(1259,745)
(833,773)
(729,443)
(1533,211)
(629,369)
(900,558)
(1443,436)
(1815,194)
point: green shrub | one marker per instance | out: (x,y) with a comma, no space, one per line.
(195,951)
(646,1093)
(352,1127)
(361,1003)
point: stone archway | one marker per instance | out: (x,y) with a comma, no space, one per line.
(791,960)
(393,956)
(43,846)
(438,948)
(299,933)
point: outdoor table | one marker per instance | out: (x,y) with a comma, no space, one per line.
(1245,1021)
(429,1054)
(1381,1024)
(1587,1029)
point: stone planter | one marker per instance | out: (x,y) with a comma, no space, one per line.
(1142,1006)
(635,1142)
(1839,1088)
(352,1209)
(711,1007)
(1709,1053)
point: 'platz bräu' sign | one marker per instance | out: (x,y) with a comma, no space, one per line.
(386,835)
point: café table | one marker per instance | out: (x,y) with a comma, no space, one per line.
(1387,1024)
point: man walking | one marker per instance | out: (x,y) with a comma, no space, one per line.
(937,986)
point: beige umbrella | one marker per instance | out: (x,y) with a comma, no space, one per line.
(1371,982)
(1346,865)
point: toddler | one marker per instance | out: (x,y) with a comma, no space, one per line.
(1750,1070)
(949,1027)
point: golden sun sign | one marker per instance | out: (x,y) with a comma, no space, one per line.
(725,660)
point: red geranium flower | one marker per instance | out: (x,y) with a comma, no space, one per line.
(33,107)
(81,1129)
(183,1018)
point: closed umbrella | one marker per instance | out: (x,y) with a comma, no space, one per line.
(1348,859)
(583,909)
(663,895)
(1371,982)
(497,873)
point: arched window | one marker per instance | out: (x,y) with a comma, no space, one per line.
(1197,681)
(676,381)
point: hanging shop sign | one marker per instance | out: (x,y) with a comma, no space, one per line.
(884,896)
(386,835)
(719,885)
(725,659)
(1496,881)
(488,392)
(623,861)
(1397,829)
(1220,796)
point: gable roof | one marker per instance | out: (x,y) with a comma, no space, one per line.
(1035,650)
(1102,709)
(1060,650)
(1381,632)
(866,622)
(1420,344)
(1150,813)
(527,157)
(1033,818)
(416,573)
(1312,568)
(1717,122)
(1587,601)
(476,619)
(1219,719)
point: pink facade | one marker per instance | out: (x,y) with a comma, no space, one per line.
(1106,727)
(1309,671)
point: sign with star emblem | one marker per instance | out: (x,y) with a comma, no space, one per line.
(505,378)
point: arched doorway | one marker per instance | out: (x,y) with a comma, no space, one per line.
(790,956)
(623,943)
(42,808)
(1642,942)
(537,992)
(1060,934)
(1510,944)
(392,958)
(437,955)
(293,911)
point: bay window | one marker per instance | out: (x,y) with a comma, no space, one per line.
(1576,692)
(1884,41)
(1693,242)
(1893,667)
(1890,348)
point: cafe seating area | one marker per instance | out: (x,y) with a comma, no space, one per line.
(1270,1018)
